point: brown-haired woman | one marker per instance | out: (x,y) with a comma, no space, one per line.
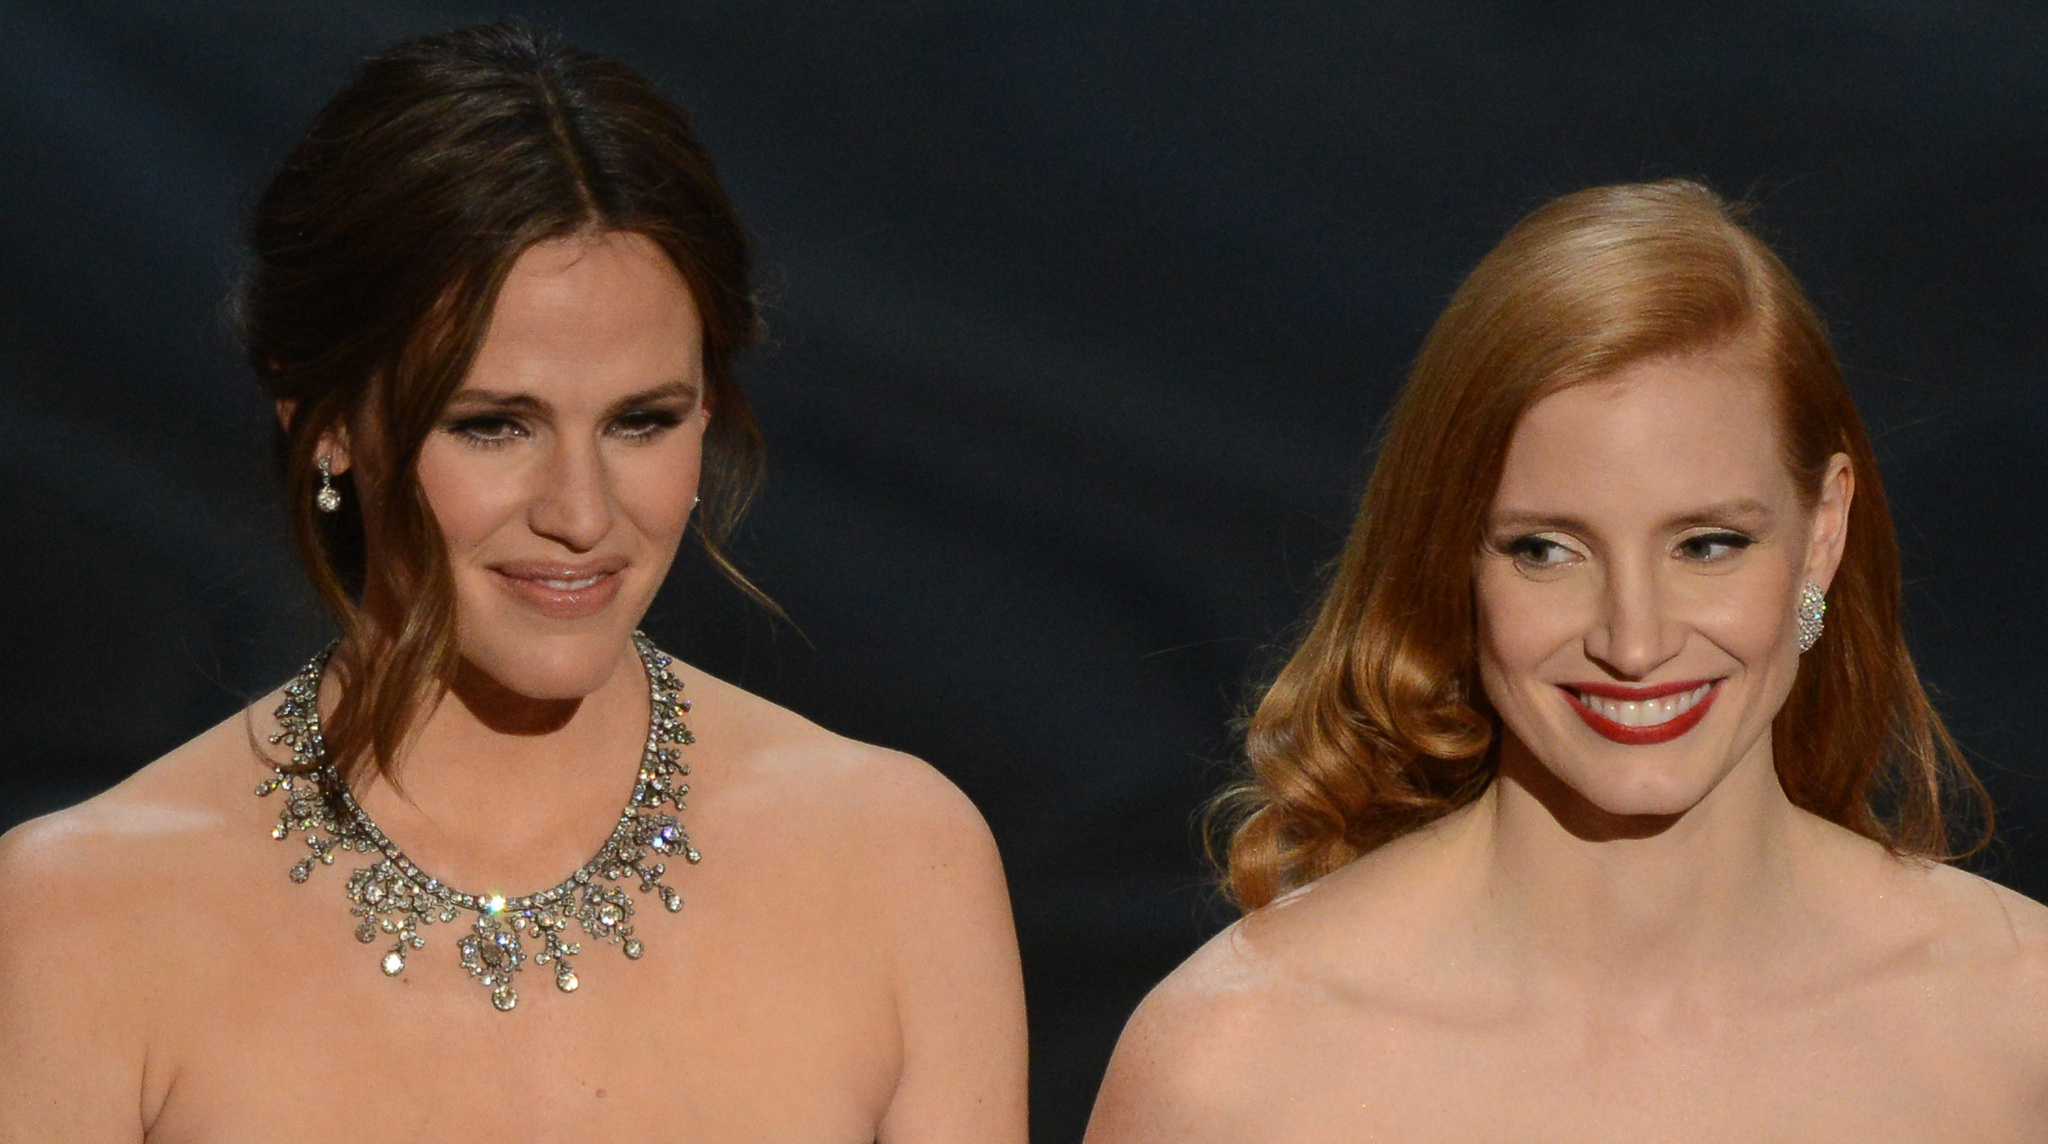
(1601,800)
(495,293)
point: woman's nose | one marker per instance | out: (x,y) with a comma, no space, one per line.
(1633,635)
(572,502)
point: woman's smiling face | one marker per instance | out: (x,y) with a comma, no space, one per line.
(564,468)
(1639,576)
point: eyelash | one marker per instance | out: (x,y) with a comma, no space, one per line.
(645,424)
(487,430)
(491,430)
(1733,540)
(1531,550)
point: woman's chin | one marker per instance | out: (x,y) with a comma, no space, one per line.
(549,669)
(1611,803)
(1646,800)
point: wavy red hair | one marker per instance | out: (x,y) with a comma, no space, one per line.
(1377,725)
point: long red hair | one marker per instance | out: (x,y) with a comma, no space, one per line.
(1377,724)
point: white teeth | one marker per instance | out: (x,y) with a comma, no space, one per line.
(569,585)
(1647,712)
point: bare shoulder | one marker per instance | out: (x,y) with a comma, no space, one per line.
(142,831)
(772,763)
(1228,1046)
(1991,942)
(1204,1056)
(1957,961)
(93,892)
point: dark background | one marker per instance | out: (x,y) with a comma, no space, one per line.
(1084,314)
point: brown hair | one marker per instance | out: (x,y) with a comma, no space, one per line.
(1377,724)
(376,254)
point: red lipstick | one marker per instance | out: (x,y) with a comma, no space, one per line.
(1618,732)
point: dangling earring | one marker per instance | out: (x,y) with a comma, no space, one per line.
(328,499)
(1813,604)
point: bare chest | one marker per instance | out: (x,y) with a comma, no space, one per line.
(745,1018)
(1861,1073)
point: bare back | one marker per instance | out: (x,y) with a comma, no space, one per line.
(843,970)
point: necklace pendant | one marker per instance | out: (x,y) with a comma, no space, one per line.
(491,953)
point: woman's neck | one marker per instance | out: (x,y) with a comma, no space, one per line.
(1650,908)
(502,793)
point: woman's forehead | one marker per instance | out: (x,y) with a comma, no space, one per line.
(1700,427)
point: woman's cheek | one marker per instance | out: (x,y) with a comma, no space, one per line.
(1745,614)
(472,492)
(658,484)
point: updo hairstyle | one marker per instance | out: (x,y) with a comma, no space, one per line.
(376,254)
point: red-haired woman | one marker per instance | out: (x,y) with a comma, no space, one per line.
(1601,800)
(495,293)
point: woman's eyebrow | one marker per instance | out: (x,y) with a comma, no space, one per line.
(1745,511)
(493,399)
(677,390)
(1561,522)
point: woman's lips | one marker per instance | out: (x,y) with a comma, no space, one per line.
(1639,716)
(559,591)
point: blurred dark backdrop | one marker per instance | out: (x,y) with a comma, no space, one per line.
(1084,314)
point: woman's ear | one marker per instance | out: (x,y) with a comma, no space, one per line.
(333,443)
(1830,521)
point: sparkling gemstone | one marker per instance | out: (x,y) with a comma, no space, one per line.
(495,904)
(394,963)
(674,902)
(608,914)
(634,949)
(566,981)
(504,998)
(367,932)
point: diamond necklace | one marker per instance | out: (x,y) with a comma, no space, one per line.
(394,897)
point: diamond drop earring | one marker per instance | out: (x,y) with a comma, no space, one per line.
(328,499)
(1813,604)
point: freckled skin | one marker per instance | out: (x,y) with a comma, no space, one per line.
(1618,942)
(844,968)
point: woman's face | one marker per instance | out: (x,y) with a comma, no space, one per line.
(564,469)
(1639,577)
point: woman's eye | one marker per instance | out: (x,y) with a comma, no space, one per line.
(1711,546)
(487,429)
(645,423)
(1540,552)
